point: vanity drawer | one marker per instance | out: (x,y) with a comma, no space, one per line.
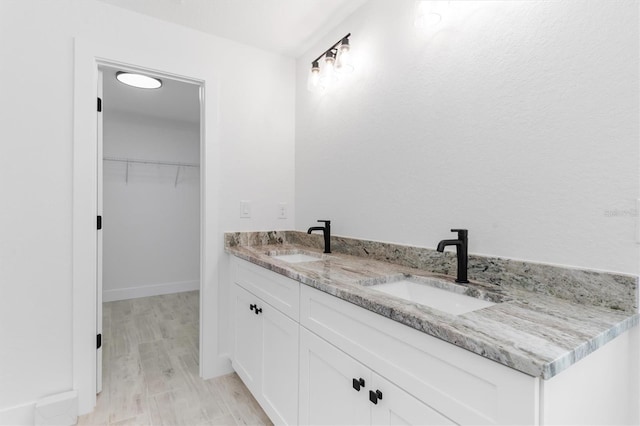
(279,291)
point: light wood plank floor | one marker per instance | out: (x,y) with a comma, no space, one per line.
(150,369)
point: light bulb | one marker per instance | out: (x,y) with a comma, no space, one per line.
(329,61)
(343,63)
(315,74)
(328,76)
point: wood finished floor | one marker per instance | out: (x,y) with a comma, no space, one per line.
(150,369)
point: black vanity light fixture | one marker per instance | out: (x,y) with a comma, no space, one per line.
(138,80)
(337,60)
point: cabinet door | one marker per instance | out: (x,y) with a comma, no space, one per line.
(397,407)
(327,395)
(247,354)
(279,366)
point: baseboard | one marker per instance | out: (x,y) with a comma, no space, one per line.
(19,415)
(57,410)
(149,290)
(221,366)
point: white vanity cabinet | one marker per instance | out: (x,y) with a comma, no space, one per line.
(333,386)
(312,358)
(266,339)
(433,379)
(335,389)
(247,337)
(398,407)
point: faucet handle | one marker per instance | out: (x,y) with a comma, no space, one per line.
(326,222)
(461,232)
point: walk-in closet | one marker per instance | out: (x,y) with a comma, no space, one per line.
(150,253)
(151,188)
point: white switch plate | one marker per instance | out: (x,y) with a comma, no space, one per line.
(282,210)
(245,209)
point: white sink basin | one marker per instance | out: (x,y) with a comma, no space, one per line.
(295,256)
(430,292)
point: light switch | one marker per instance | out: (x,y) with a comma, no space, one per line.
(282,210)
(245,209)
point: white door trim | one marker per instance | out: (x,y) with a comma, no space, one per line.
(200,69)
(99,212)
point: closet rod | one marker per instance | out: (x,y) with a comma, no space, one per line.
(161,163)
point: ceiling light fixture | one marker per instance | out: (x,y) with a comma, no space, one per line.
(430,15)
(336,60)
(138,80)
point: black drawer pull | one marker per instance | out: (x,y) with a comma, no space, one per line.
(358,383)
(252,307)
(375,396)
(258,310)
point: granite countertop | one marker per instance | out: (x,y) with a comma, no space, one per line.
(537,334)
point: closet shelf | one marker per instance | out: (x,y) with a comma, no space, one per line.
(159,163)
(128,161)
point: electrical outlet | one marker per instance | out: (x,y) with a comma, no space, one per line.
(282,210)
(245,209)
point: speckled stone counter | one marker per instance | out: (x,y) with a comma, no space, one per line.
(530,330)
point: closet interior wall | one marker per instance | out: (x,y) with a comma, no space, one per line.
(151,218)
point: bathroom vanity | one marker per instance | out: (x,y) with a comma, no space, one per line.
(337,339)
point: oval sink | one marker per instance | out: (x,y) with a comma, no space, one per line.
(436,293)
(295,256)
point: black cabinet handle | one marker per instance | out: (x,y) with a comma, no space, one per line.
(252,307)
(358,383)
(258,310)
(375,396)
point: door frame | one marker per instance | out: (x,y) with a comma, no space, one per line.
(99,235)
(100,192)
(195,68)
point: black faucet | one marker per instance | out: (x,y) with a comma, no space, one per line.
(326,231)
(462,247)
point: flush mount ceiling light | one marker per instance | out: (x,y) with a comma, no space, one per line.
(138,80)
(431,16)
(337,60)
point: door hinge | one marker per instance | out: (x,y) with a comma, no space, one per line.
(99,105)
(99,341)
(99,222)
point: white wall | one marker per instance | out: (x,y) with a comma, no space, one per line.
(36,159)
(151,225)
(515,119)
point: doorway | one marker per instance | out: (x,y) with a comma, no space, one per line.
(149,204)
(89,54)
